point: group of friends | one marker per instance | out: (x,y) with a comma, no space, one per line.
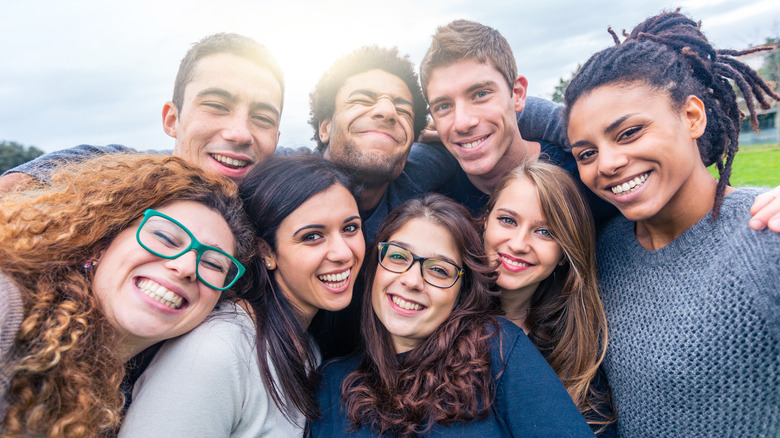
(528,270)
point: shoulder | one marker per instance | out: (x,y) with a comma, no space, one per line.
(335,370)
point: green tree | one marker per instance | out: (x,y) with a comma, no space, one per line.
(770,71)
(562,84)
(13,154)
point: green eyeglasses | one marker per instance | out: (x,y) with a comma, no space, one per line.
(165,237)
(436,272)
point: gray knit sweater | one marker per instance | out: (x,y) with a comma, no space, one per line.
(694,348)
(11,315)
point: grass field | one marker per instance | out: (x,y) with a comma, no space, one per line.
(755,166)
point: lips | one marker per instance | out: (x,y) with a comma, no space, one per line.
(630,186)
(336,280)
(472,144)
(232,163)
(404,304)
(160,293)
(514,264)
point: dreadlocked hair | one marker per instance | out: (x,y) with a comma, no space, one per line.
(669,52)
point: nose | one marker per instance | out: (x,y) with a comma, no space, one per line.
(412,279)
(184,266)
(340,251)
(519,242)
(384,108)
(610,160)
(237,129)
(464,120)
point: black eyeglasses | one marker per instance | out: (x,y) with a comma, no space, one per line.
(436,272)
(165,237)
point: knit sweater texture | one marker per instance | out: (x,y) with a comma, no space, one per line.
(11,316)
(694,347)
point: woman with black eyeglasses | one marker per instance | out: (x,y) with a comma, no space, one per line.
(116,254)
(435,362)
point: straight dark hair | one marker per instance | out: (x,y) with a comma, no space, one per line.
(271,192)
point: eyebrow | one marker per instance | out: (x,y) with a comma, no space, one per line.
(470,89)
(511,212)
(233,99)
(322,227)
(407,247)
(374,95)
(608,130)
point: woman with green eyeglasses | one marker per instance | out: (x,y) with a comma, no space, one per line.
(435,362)
(113,256)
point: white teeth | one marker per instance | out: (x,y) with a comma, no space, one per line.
(339,279)
(514,263)
(473,144)
(630,186)
(400,302)
(230,161)
(160,293)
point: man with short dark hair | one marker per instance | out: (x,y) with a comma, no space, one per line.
(225,112)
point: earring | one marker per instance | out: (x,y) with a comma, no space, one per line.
(89,265)
(268,264)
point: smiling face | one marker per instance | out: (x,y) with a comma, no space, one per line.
(517,236)
(474,111)
(319,250)
(149,299)
(408,307)
(229,120)
(638,152)
(372,127)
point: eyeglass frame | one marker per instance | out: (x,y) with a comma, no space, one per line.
(194,244)
(415,259)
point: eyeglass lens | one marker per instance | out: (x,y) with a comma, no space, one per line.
(166,239)
(437,272)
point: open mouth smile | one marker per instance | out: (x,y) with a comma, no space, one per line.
(336,280)
(630,186)
(472,144)
(408,305)
(230,162)
(160,293)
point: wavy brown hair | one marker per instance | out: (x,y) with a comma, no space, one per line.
(447,378)
(65,374)
(566,320)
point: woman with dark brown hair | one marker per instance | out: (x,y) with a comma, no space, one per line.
(116,254)
(435,360)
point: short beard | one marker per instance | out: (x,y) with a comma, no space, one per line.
(368,170)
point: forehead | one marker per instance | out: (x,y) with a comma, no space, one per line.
(427,239)
(461,75)
(520,195)
(331,206)
(236,75)
(376,81)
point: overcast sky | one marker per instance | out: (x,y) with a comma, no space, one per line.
(98,72)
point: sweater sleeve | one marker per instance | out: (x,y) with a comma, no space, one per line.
(542,120)
(430,166)
(530,399)
(43,166)
(199,385)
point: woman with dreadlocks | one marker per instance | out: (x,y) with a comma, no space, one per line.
(689,290)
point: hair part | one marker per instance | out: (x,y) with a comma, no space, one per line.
(566,320)
(66,374)
(464,39)
(322,101)
(669,53)
(447,378)
(271,192)
(229,43)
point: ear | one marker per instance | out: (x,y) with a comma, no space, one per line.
(519,93)
(267,256)
(170,117)
(324,131)
(695,116)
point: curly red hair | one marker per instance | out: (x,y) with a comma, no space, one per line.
(65,375)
